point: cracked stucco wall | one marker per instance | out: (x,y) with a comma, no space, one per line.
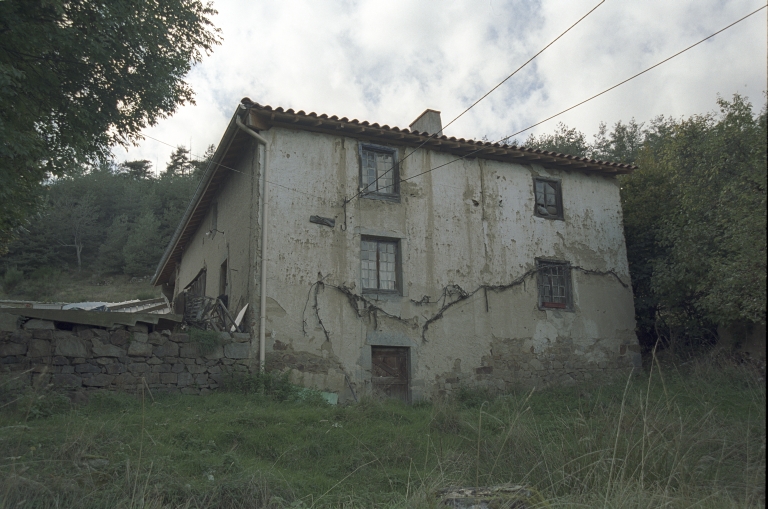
(470,224)
(237,204)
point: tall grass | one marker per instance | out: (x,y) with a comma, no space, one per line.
(677,438)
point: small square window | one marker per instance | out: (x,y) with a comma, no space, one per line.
(379,176)
(554,281)
(380,265)
(549,199)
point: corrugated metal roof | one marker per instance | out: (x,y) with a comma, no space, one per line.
(96,318)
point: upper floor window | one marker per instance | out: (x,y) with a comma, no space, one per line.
(554,282)
(380,265)
(549,198)
(378,172)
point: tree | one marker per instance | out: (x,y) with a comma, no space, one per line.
(200,165)
(137,169)
(695,219)
(144,246)
(78,77)
(74,219)
(111,257)
(179,163)
(564,140)
(621,145)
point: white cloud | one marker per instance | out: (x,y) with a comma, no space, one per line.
(387,61)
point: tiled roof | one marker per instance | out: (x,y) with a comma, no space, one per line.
(263,117)
(459,146)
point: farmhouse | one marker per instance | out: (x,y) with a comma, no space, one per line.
(378,260)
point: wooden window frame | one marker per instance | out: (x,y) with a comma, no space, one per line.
(398,266)
(375,194)
(543,272)
(556,183)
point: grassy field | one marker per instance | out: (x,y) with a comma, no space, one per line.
(683,437)
(58,286)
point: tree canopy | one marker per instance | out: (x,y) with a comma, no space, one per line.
(694,216)
(80,76)
(106,220)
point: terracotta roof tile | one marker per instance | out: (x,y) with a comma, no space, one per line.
(345,120)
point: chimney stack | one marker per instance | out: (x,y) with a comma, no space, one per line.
(428,121)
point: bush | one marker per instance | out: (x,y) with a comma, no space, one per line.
(274,386)
(12,278)
(207,340)
(474,397)
(43,282)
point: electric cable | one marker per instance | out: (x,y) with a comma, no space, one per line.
(593,97)
(475,103)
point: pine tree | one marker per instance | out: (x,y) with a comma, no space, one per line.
(179,163)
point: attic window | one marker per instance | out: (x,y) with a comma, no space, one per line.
(549,198)
(554,282)
(378,172)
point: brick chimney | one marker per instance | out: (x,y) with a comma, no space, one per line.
(428,121)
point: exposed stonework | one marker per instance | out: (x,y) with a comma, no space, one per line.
(519,362)
(122,359)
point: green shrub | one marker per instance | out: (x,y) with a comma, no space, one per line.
(44,273)
(46,404)
(12,278)
(274,386)
(43,282)
(207,340)
(474,397)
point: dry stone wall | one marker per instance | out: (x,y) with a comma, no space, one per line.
(120,358)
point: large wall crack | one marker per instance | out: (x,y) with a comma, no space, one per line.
(450,295)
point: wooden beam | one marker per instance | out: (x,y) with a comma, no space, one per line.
(256,121)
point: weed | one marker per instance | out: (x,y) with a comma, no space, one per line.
(273,386)
(694,439)
(207,340)
(474,397)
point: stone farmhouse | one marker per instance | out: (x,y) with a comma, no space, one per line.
(406,263)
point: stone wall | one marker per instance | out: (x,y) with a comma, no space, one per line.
(119,358)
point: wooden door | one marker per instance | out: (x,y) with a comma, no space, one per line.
(389,372)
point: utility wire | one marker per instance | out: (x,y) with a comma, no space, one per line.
(475,103)
(638,74)
(503,140)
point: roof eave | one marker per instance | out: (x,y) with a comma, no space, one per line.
(161,275)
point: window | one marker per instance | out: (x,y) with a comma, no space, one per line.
(554,280)
(379,263)
(378,172)
(549,200)
(223,278)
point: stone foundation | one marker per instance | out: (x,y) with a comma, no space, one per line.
(119,358)
(517,363)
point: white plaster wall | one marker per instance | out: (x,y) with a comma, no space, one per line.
(235,208)
(468,223)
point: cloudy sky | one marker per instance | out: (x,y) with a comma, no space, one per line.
(386,61)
